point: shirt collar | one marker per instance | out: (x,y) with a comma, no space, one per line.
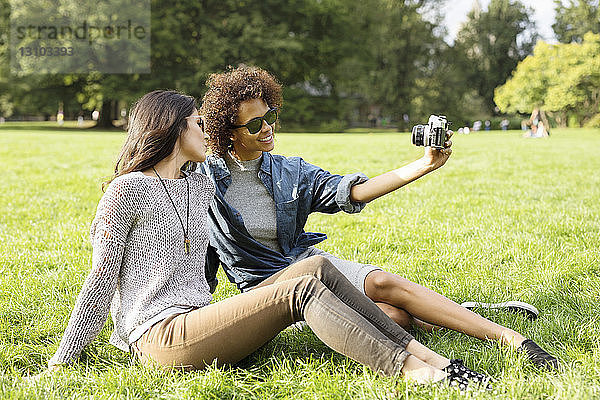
(265,166)
(221,171)
(217,164)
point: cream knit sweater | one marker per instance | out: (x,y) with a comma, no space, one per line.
(139,266)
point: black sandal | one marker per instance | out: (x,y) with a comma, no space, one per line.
(461,376)
(538,356)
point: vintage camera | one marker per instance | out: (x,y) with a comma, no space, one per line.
(433,134)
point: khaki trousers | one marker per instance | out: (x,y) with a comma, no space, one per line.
(312,290)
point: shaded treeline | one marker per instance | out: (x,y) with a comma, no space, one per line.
(342,62)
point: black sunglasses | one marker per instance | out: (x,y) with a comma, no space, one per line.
(255,124)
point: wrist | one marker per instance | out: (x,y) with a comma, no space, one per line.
(425,165)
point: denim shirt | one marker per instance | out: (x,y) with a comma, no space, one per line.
(298,189)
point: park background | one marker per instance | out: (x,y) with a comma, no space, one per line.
(507,218)
(344,63)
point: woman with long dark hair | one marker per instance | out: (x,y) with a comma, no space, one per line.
(263,201)
(150,237)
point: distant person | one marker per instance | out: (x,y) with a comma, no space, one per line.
(538,124)
(406,120)
(488,125)
(477,126)
(504,124)
(541,130)
(150,238)
(60,118)
(263,201)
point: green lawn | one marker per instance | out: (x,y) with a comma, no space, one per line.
(506,218)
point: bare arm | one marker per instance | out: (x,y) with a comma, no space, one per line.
(392,180)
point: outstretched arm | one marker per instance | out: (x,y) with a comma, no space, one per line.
(392,180)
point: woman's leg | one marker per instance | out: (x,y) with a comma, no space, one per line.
(228,331)
(334,280)
(427,305)
(404,319)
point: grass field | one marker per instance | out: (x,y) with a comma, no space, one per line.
(506,218)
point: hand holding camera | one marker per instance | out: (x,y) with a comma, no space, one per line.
(435,136)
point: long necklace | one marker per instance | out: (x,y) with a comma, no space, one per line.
(186,228)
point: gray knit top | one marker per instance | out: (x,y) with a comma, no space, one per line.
(139,264)
(249,196)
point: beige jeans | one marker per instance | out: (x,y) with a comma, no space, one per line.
(312,290)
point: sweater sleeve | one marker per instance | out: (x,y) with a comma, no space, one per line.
(109,231)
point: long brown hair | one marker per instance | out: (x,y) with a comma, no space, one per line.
(155,122)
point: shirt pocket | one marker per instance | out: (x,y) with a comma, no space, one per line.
(286,212)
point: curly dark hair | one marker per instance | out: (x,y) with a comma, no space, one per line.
(226,91)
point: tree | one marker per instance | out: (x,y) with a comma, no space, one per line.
(492,43)
(564,78)
(575,19)
(302,44)
(400,63)
(38,89)
(332,56)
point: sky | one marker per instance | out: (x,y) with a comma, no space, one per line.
(456,13)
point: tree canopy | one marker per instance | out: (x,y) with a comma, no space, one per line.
(575,18)
(491,44)
(339,60)
(564,78)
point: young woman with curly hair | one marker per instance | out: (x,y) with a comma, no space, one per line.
(150,237)
(263,200)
